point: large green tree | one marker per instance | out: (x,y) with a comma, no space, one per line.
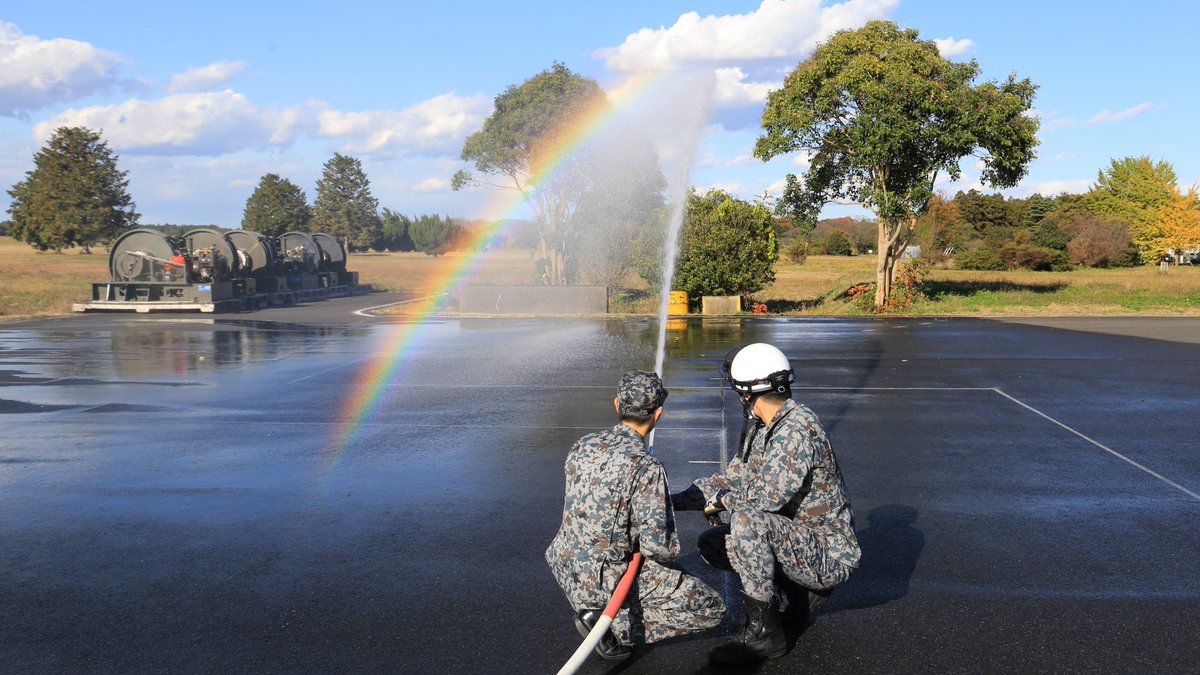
(75,194)
(883,114)
(1146,195)
(345,207)
(727,246)
(521,144)
(277,206)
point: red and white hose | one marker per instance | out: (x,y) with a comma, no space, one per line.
(605,620)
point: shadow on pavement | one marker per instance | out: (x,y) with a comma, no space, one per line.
(891,546)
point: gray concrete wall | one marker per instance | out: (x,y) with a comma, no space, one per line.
(540,300)
(721,304)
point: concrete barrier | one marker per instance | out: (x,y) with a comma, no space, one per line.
(721,304)
(539,300)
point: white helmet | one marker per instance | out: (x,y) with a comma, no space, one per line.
(759,368)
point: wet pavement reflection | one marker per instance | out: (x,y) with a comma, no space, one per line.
(236,494)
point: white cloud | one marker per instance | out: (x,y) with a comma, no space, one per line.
(438,124)
(1050,188)
(778,29)
(36,73)
(187,124)
(215,123)
(777,187)
(1129,113)
(732,187)
(732,89)
(1059,123)
(432,185)
(706,158)
(203,79)
(951,47)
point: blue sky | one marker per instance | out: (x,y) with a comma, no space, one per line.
(200,100)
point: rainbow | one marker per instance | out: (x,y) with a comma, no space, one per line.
(370,384)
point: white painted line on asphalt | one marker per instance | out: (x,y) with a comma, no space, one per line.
(331,368)
(390,304)
(704,461)
(1103,447)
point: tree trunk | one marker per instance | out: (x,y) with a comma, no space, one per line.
(883,280)
(893,240)
(884,262)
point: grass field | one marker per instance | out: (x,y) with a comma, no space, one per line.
(46,284)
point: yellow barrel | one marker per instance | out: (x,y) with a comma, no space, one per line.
(677,302)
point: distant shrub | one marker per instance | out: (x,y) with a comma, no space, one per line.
(982,258)
(797,251)
(1100,243)
(1028,256)
(837,242)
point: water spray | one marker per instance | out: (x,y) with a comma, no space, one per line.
(679,186)
(610,612)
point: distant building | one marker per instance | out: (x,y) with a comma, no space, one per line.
(913,251)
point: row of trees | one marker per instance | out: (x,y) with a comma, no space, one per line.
(880,112)
(1134,213)
(76,195)
(346,209)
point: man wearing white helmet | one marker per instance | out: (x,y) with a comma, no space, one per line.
(789,515)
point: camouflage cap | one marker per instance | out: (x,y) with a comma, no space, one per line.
(640,392)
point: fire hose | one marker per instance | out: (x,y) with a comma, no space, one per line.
(610,612)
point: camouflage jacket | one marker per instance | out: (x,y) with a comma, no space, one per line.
(617,502)
(787,467)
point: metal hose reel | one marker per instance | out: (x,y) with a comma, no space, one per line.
(299,252)
(211,255)
(145,254)
(333,254)
(255,252)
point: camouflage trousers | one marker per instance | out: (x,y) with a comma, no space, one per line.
(760,544)
(663,602)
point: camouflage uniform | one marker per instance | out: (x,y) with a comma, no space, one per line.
(617,502)
(788,508)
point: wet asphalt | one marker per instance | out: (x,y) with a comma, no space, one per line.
(308,489)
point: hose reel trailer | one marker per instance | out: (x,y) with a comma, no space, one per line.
(211,270)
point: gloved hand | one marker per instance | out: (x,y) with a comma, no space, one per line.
(691,499)
(715,506)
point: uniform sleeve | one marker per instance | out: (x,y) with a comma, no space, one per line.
(729,479)
(788,460)
(733,477)
(651,513)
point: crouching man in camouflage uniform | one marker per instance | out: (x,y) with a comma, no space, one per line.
(618,502)
(789,516)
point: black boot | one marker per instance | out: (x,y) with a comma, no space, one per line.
(608,647)
(761,636)
(801,602)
